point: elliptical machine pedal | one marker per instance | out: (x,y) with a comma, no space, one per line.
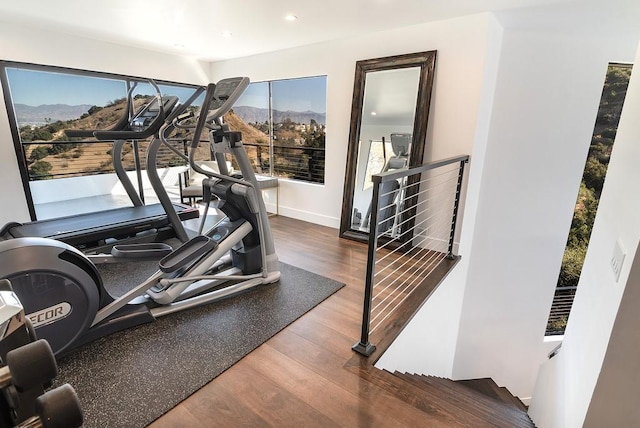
(187,254)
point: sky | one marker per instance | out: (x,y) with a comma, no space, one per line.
(306,94)
(35,88)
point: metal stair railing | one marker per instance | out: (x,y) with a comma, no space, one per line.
(414,213)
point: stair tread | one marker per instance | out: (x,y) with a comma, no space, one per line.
(478,397)
(427,402)
(465,391)
(488,387)
(465,399)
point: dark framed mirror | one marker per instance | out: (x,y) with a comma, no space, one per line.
(389,115)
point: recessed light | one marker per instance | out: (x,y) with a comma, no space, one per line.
(373,113)
(227,34)
(291,17)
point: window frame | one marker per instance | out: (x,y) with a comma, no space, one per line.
(11,113)
(272,133)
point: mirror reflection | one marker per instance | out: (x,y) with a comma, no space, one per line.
(388,114)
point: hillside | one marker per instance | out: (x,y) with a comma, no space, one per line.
(52,154)
(49,152)
(249,133)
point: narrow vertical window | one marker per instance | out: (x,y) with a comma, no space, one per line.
(604,133)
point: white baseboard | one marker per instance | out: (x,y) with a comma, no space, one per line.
(311,217)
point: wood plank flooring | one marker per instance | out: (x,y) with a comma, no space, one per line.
(307,375)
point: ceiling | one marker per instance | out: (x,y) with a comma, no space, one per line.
(390,97)
(196,27)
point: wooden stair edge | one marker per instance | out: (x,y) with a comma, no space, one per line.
(468,400)
(433,406)
(490,388)
(487,409)
(515,399)
(480,396)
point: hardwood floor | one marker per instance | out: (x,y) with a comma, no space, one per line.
(307,375)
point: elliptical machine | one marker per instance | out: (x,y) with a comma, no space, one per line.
(62,291)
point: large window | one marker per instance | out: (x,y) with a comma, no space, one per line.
(283,127)
(42,102)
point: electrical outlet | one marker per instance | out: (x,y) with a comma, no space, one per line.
(617,258)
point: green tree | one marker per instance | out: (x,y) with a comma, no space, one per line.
(572,262)
(594,173)
(600,151)
(36,134)
(40,170)
(38,153)
(583,218)
(93,109)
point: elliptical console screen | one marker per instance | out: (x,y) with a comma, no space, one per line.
(227,93)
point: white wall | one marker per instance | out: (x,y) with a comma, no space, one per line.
(615,398)
(19,43)
(545,102)
(566,383)
(427,345)
(64,189)
(68,188)
(461,45)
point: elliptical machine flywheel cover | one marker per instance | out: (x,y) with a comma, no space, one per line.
(58,286)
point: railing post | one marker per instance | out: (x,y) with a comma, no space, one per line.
(365,347)
(456,204)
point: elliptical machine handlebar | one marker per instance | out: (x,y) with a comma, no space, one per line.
(219,99)
(202,117)
(121,124)
(140,126)
(180,110)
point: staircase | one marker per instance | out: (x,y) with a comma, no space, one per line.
(472,403)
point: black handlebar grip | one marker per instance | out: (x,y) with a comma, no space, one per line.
(32,364)
(82,133)
(60,408)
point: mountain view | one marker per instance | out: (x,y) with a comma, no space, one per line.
(261,115)
(47,113)
(49,153)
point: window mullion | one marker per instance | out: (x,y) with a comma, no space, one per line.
(271,150)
